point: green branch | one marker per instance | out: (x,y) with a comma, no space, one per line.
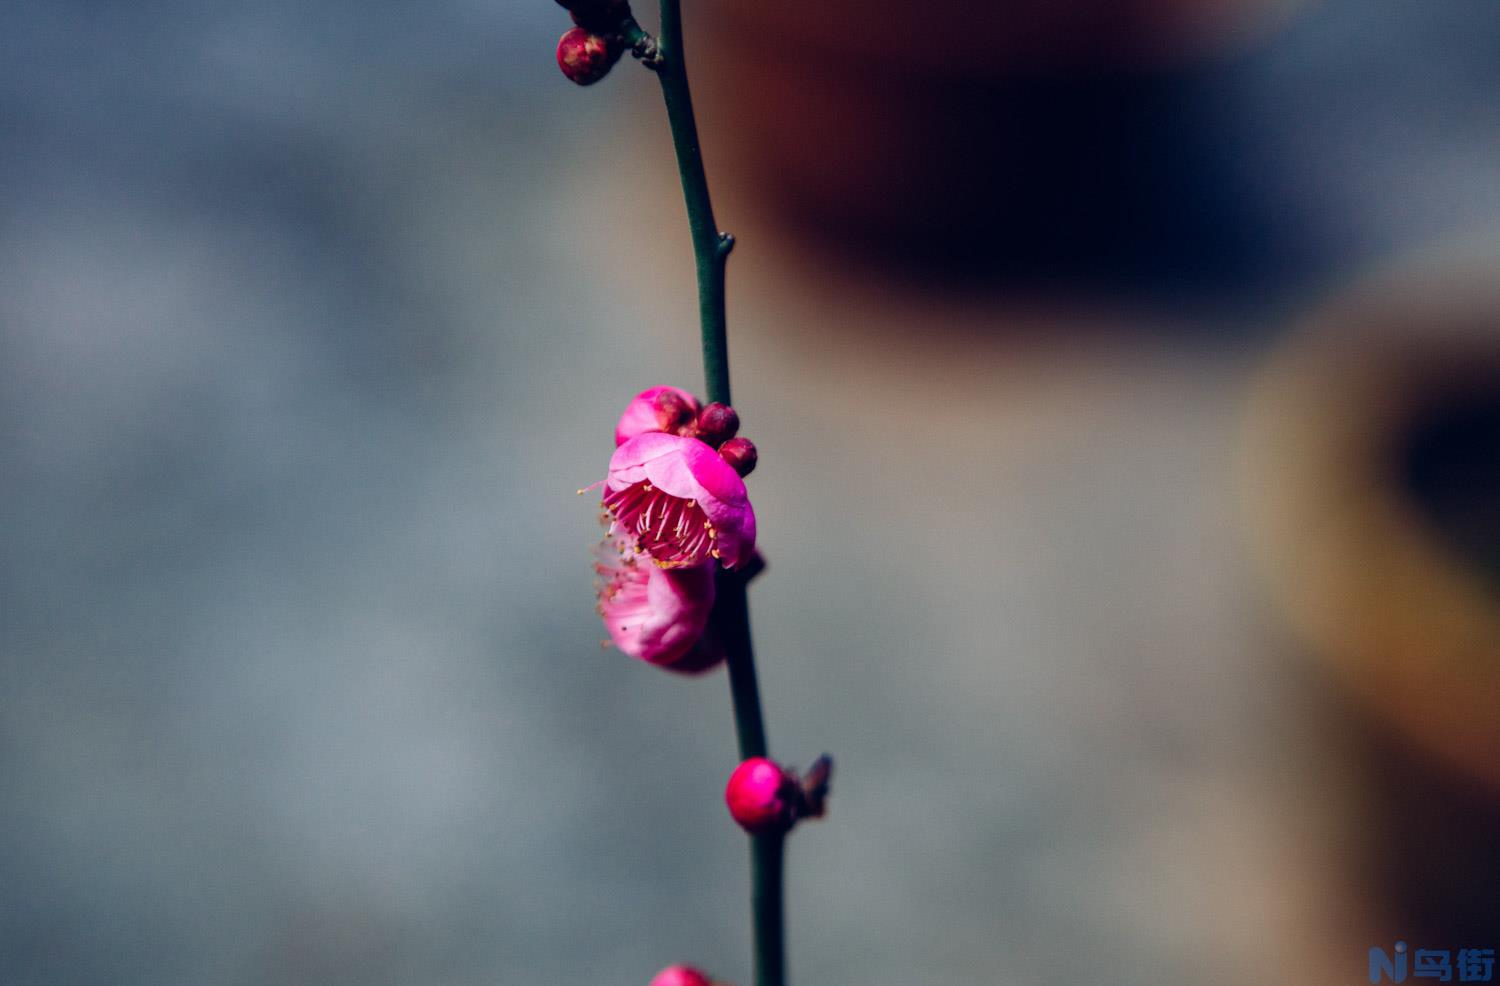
(731,614)
(710,247)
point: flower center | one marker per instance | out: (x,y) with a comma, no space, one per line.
(675,532)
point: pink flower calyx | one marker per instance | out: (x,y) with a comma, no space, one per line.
(654,614)
(763,796)
(681,503)
(681,975)
(585,57)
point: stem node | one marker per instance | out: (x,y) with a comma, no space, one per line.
(643,46)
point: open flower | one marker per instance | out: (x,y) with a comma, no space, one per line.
(680,501)
(656,409)
(655,614)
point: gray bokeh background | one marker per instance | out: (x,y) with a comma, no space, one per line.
(311,321)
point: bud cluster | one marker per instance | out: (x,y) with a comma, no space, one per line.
(677,412)
(588,51)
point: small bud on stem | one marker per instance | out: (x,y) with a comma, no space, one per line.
(739,453)
(717,423)
(764,796)
(672,411)
(586,58)
(759,796)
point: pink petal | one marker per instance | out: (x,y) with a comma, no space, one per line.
(690,470)
(661,624)
(640,414)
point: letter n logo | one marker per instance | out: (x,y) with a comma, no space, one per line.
(1383,966)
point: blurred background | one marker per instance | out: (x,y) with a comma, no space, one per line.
(1127,387)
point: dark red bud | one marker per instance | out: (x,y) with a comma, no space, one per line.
(586,58)
(717,422)
(739,453)
(672,412)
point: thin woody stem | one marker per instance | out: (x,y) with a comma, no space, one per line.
(710,247)
(731,613)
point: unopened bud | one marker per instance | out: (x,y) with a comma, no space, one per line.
(760,796)
(672,411)
(680,975)
(740,454)
(586,58)
(717,422)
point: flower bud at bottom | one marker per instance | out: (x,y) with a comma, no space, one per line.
(586,58)
(757,796)
(681,975)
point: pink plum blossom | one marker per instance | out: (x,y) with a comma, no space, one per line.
(681,502)
(656,409)
(652,613)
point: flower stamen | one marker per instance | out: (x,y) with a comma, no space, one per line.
(674,531)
